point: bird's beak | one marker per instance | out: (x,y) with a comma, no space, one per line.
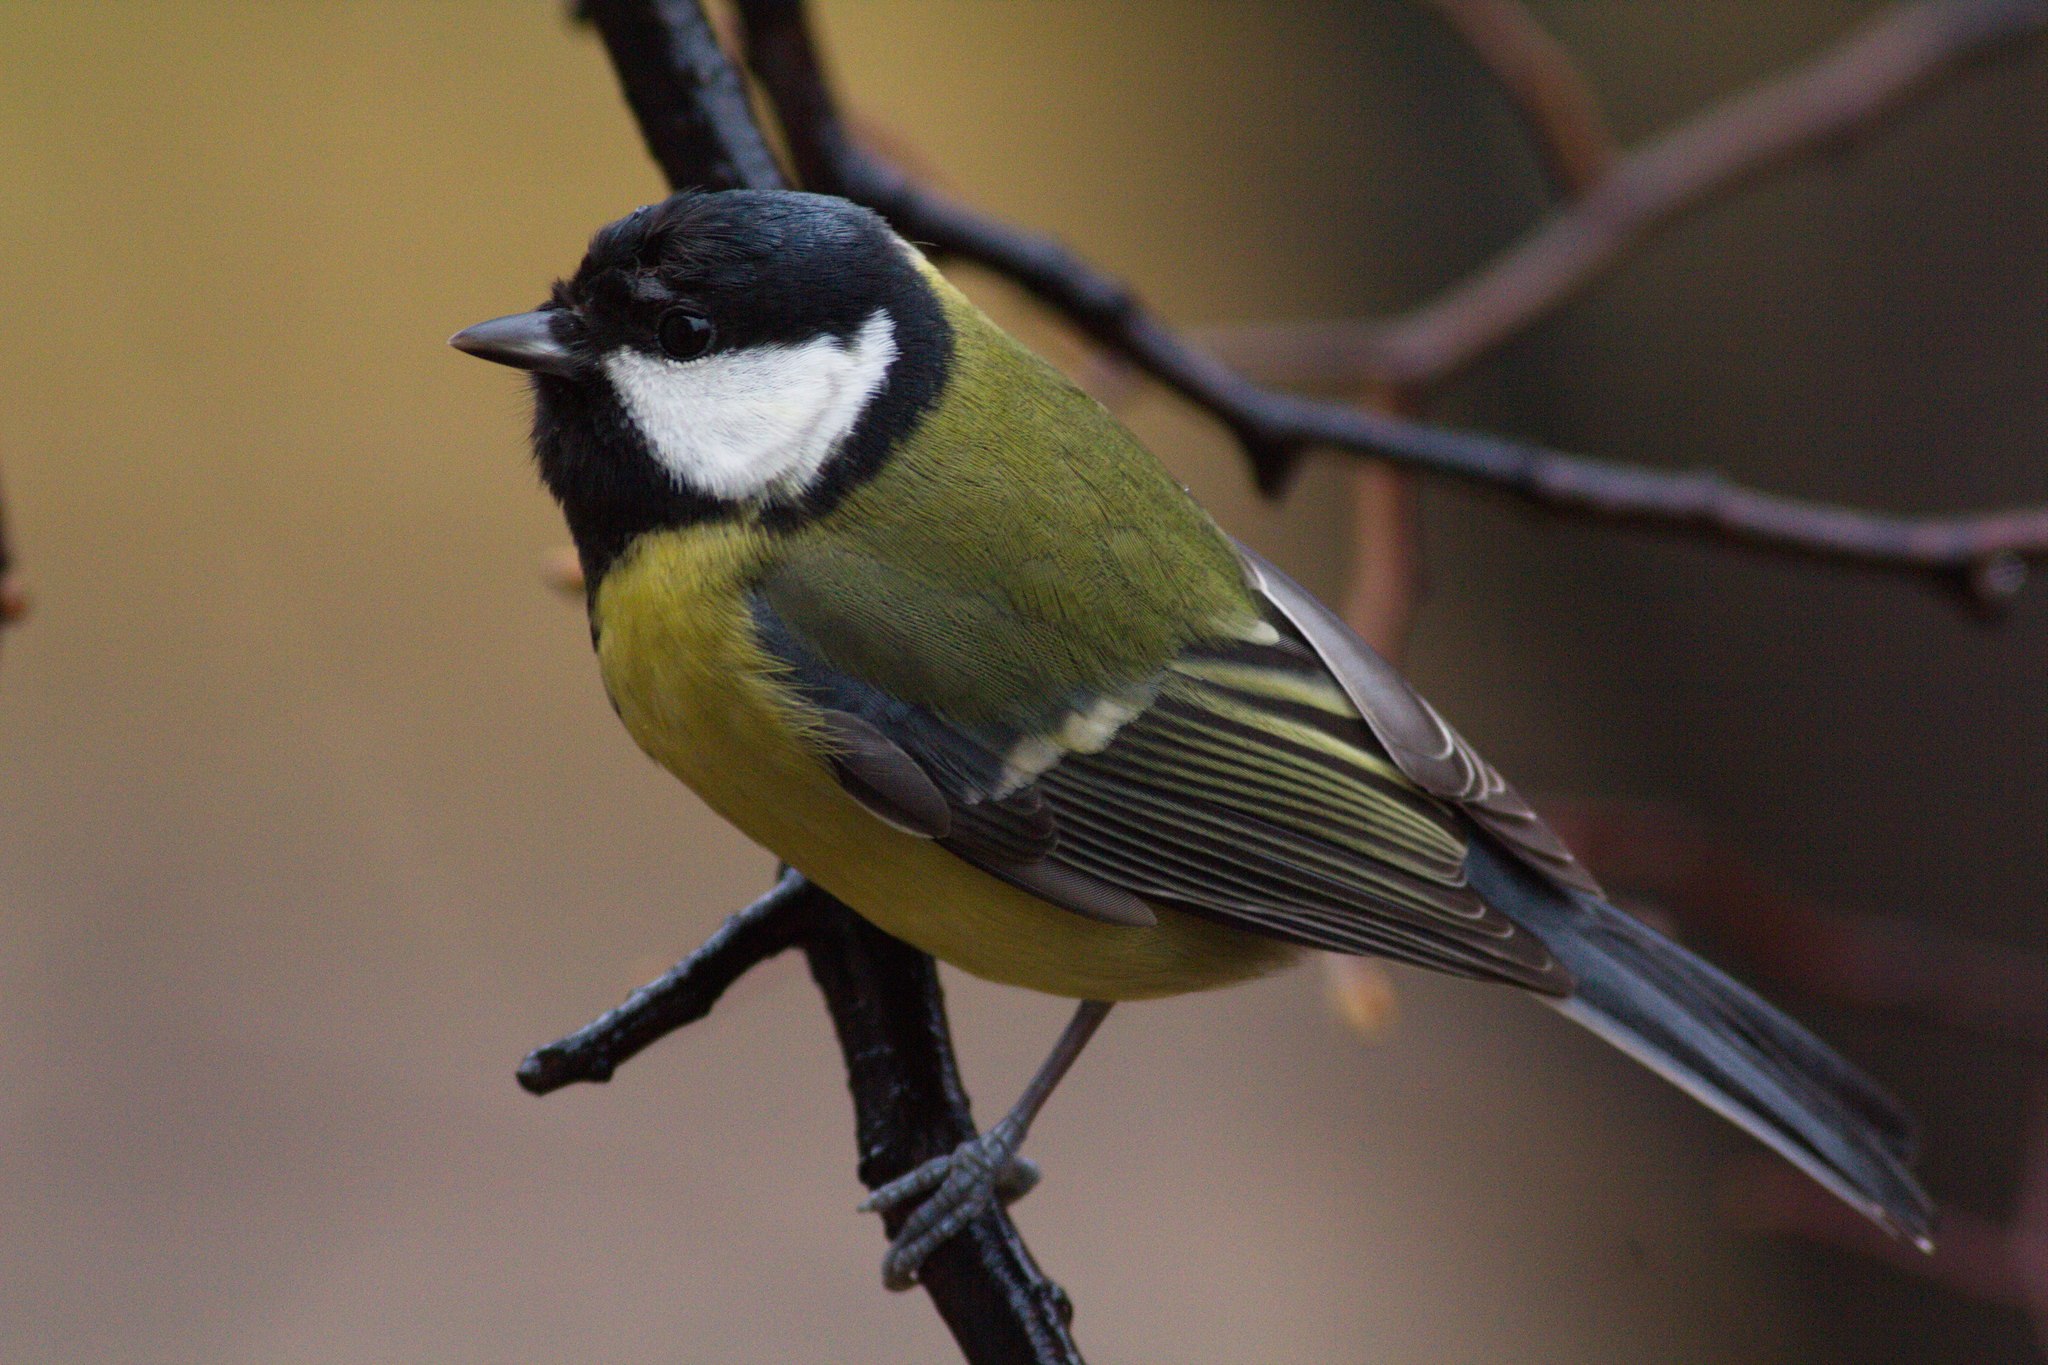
(525,341)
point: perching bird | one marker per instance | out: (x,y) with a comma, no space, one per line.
(917,614)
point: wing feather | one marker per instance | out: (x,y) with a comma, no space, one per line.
(1425,747)
(1239,785)
(876,772)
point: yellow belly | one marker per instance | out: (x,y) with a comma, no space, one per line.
(678,656)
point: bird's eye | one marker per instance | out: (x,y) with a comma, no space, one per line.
(684,335)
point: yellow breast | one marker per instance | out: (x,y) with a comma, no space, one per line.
(677,649)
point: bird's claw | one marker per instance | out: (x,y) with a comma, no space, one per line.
(1018,1177)
(953,1190)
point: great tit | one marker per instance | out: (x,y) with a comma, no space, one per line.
(913,611)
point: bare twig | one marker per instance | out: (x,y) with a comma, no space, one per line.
(682,996)
(1539,77)
(1385,582)
(909,1106)
(1544,84)
(1845,93)
(1984,557)
(1841,95)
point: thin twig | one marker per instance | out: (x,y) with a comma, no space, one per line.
(909,1106)
(681,996)
(1984,557)
(1545,85)
(1384,585)
(1844,93)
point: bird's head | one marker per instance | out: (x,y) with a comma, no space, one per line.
(723,354)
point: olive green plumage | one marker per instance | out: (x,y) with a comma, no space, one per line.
(905,584)
(1190,755)
(915,613)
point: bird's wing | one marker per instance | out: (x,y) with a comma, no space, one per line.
(1286,781)
(1238,783)
(1422,745)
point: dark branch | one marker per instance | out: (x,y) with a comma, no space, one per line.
(682,996)
(909,1106)
(689,101)
(780,50)
(883,996)
(1984,557)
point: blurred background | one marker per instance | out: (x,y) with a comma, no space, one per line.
(313,818)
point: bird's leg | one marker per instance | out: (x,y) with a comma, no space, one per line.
(957,1186)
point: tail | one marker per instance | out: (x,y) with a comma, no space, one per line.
(1716,1040)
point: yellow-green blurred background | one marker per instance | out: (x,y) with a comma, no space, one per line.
(313,818)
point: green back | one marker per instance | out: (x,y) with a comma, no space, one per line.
(1019,550)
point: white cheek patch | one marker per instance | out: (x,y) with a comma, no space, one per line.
(740,424)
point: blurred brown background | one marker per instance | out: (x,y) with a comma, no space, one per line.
(313,817)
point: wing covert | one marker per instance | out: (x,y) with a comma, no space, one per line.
(1239,784)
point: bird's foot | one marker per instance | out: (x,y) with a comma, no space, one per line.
(954,1189)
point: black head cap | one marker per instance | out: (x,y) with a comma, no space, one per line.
(705,273)
(765,266)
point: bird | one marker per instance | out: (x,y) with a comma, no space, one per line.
(910,609)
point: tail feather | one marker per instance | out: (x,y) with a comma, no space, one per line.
(1721,1043)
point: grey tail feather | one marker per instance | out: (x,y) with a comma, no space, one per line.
(1717,1040)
